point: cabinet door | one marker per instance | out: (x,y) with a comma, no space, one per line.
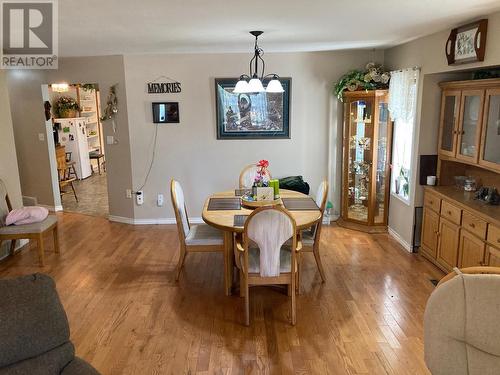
(358,155)
(469,130)
(493,256)
(490,136)
(450,103)
(471,252)
(448,244)
(381,161)
(430,229)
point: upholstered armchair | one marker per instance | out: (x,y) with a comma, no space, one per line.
(461,324)
(34,333)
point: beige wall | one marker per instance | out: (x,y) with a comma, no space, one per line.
(190,152)
(428,54)
(28,119)
(8,160)
(26,97)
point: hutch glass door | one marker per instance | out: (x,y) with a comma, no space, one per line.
(449,119)
(468,135)
(491,131)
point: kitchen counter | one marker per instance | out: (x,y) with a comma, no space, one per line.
(466,200)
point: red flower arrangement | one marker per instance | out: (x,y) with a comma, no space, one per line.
(261,172)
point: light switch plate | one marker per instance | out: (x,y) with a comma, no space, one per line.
(159,200)
(110,140)
(41,137)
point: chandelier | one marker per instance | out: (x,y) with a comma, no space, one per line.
(252,84)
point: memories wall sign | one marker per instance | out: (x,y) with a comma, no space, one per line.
(163,85)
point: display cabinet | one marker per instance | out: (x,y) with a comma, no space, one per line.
(367,151)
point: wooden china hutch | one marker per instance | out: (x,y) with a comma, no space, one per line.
(366,158)
(458,230)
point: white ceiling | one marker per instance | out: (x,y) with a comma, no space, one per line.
(104,27)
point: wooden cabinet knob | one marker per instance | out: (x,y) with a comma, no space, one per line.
(448,212)
(472,225)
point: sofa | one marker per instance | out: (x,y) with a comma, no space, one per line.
(34,330)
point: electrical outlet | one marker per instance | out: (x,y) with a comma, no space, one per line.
(139,197)
(128,193)
(159,200)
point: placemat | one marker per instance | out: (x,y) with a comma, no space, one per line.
(219,204)
(300,204)
(239,220)
(242,192)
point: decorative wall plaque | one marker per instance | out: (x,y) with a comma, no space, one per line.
(467,43)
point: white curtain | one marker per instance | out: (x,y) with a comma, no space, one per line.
(403,94)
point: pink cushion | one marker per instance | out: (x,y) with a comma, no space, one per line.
(26,215)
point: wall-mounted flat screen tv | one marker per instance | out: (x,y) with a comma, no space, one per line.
(167,112)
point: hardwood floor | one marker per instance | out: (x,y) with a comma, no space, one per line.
(128,316)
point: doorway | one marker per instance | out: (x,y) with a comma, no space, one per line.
(76,149)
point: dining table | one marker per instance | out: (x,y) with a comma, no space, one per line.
(223,218)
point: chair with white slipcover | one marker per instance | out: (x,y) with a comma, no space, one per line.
(247,176)
(192,238)
(262,255)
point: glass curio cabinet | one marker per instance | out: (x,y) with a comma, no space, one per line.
(367,153)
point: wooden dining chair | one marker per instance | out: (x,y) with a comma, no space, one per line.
(71,165)
(311,238)
(262,256)
(34,231)
(192,238)
(247,176)
(63,170)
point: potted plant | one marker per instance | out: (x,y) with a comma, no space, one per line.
(66,107)
(404,181)
(371,78)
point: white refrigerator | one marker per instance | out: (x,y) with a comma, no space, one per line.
(73,136)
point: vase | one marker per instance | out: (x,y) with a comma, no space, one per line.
(67,113)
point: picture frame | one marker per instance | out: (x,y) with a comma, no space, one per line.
(467,43)
(252,116)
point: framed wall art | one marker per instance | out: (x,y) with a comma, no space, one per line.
(252,115)
(467,43)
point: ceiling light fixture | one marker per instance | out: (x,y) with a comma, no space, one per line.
(59,87)
(252,84)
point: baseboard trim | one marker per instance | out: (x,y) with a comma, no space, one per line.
(51,208)
(154,221)
(399,239)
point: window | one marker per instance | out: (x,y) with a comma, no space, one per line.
(401,158)
(402,106)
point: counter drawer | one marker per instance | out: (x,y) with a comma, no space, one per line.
(474,224)
(451,212)
(432,201)
(493,235)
